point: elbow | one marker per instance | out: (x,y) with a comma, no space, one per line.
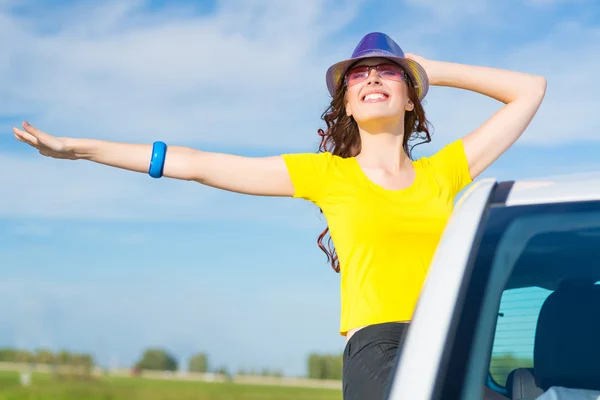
(542,83)
(531,90)
(538,87)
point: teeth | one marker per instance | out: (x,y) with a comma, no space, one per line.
(374,96)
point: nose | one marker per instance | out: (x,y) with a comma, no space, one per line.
(373,78)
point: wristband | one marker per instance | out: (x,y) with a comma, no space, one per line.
(157,162)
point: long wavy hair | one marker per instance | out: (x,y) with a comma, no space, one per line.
(342,138)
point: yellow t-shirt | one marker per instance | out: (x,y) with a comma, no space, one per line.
(385,239)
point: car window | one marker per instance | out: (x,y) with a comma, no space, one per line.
(529,298)
(514,338)
(515,332)
(533,252)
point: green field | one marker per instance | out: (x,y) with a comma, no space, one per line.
(45,387)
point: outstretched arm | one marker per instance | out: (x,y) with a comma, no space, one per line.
(262,176)
(521,93)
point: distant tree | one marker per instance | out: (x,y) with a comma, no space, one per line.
(223,371)
(198,363)
(277,374)
(157,359)
(8,355)
(75,363)
(241,372)
(324,366)
(333,365)
(315,367)
(82,362)
(501,366)
(45,356)
(24,356)
(63,357)
(87,360)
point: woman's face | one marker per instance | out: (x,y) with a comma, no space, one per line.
(382,94)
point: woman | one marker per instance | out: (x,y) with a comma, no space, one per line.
(385,212)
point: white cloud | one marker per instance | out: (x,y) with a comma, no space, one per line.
(247,75)
(567,56)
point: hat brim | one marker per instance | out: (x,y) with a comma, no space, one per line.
(336,72)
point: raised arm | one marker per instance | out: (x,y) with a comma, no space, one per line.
(521,93)
(261,176)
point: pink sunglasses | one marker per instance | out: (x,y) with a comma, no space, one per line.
(360,73)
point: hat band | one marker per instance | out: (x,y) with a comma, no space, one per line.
(373,52)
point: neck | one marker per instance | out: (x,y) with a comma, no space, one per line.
(381,146)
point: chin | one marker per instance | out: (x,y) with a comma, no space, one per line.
(383,117)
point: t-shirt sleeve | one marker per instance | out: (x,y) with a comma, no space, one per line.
(452,164)
(308,172)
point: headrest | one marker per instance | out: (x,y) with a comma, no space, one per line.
(567,343)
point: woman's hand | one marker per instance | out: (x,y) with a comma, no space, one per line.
(428,66)
(46,144)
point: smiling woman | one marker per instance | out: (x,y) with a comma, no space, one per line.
(385,211)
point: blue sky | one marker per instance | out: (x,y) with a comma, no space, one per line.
(107,261)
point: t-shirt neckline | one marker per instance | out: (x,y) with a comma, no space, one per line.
(409,189)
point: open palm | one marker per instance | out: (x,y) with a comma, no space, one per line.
(46,144)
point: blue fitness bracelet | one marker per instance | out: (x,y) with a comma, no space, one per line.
(157,162)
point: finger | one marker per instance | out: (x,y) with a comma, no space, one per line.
(35,131)
(19,138)
(26,137)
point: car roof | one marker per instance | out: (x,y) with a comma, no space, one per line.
(555,189)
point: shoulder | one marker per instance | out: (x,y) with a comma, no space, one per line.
(315,161)
(449,165)
(323,157)
(451,153)
(311,173)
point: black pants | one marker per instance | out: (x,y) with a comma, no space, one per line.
(370,360)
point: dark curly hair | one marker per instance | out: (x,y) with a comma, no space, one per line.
(342,138)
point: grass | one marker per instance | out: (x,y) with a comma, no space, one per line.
(45,387)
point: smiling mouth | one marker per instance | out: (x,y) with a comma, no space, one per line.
(375,97)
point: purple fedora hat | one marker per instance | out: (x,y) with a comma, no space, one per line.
(378,44)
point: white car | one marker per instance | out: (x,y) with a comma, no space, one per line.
(511,306)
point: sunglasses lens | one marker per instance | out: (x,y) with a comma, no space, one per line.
(356,75)
(390,71)
(386,71)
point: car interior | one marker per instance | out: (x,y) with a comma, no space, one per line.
(547,336)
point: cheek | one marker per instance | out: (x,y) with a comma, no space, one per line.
(400,92)
(354,105)
(352,99)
